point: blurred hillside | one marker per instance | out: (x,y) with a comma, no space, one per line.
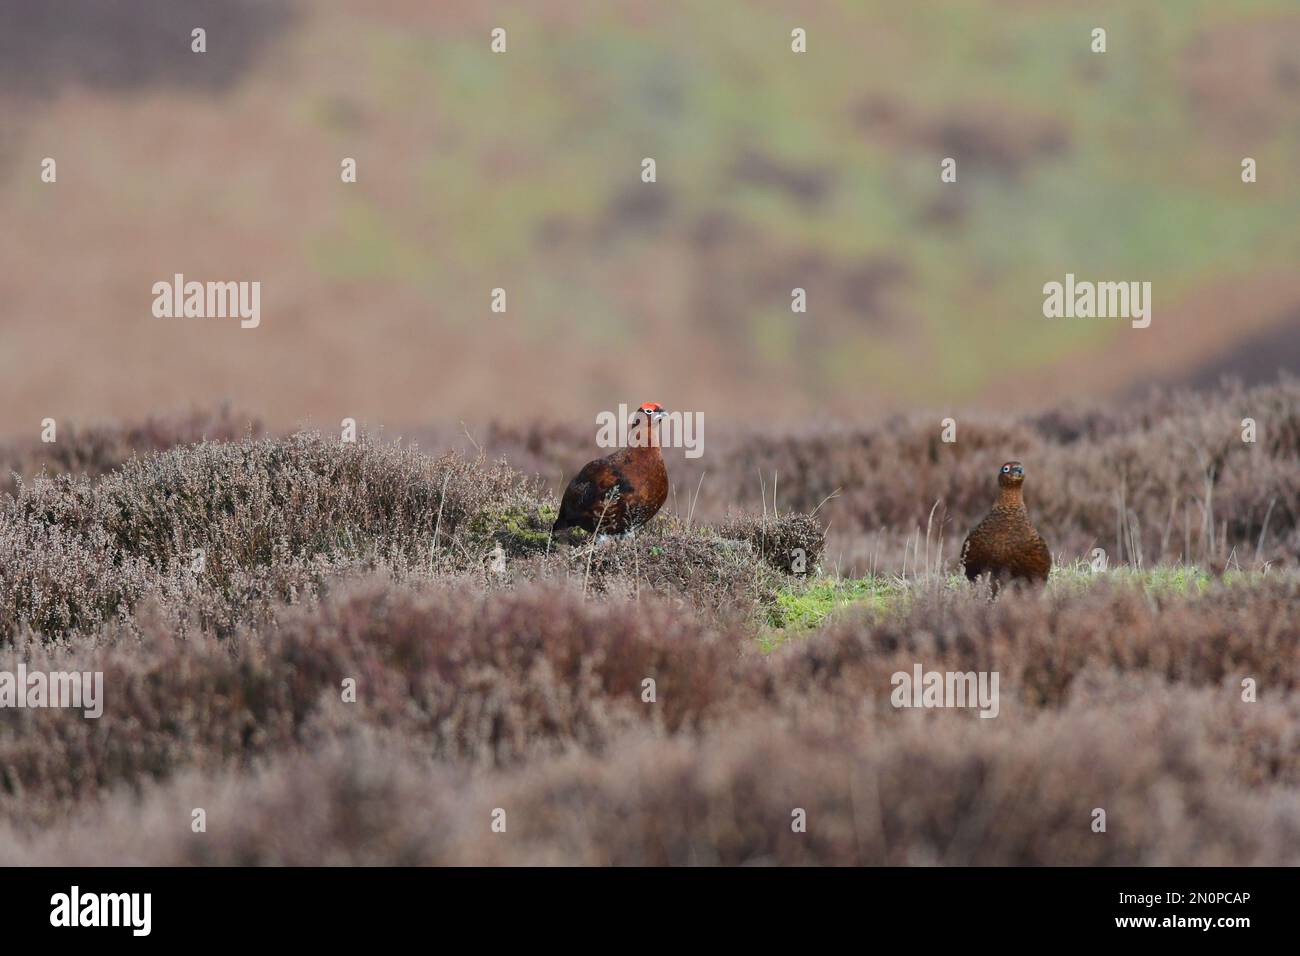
(521,171)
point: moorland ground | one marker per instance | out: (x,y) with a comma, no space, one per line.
(228,584)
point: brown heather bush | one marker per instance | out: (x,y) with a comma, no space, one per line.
(529,698)
(521,687)
(779,538)
(502,675)
(1042,645)
(724,567)
(476,676)
(258,503)
(55,579)
(1160,478)
(1167,479)
(96,450)
(935,789)
(276,520)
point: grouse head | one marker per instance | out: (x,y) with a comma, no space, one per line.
(1012,475)
(650,411)
(643,423)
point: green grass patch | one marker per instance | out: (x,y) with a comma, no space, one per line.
(518,530)
(1165,579)
(807,605)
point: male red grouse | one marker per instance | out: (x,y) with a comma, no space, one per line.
(619,493)
(1005,545)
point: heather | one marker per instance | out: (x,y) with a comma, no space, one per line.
(219,533)
(1158,479)
(354,653)
(96,449)
(533,699)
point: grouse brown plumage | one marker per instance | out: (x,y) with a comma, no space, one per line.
(1005,545)
(621,492)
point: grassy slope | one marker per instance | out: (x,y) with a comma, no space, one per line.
(816,170)
(600,92)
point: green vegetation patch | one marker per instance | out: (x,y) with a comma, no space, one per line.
(519,529)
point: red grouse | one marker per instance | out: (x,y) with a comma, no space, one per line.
(1005,545)
(619,493)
